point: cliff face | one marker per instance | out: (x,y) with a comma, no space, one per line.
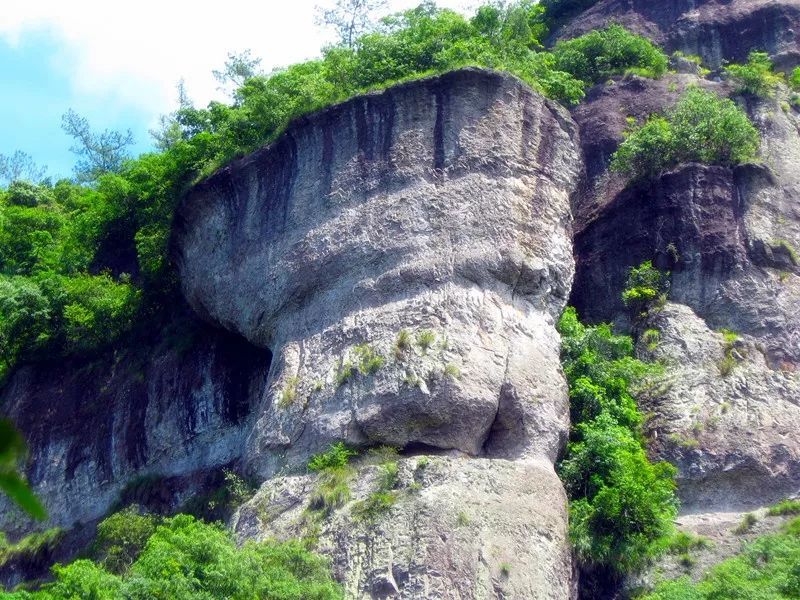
(440,208)
(173,411)
(716,30)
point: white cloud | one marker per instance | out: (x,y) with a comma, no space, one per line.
(133,54)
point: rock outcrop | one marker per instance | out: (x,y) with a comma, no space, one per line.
(716,30)
(166,414)
(728,237)
(405,256)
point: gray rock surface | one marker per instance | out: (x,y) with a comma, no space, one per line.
(405,255)
(439,207)
(460,528)
(171,412)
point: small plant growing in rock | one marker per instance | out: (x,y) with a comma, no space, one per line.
(756,77)
(382,454)
(376,504)
(505,569)
(683,441)
(785,508)
(402,344)
(410,379)
(788,249)
(452,371)
(651,337)
(332,491)
(463,519)
(289,393)
(319,385)
(683,542)
(686,560)
(644,287)
(345,373)
(338,455)
(728,362)
(369,361)
(748,521)
(425,340)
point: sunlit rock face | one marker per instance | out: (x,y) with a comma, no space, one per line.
(405,256)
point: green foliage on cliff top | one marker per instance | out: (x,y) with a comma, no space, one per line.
(82,265)
(769,568)
(186,559)
(702,127)
(621,505)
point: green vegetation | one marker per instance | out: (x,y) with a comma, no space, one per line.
(338,455)
(600,54)
(702,127)
(769,568)
(757,76)
(332,490)
(12,452)
(784,508)
(794,79)
(220,503)
(345,373)
(289,392)
(187,559)
(122,537)
(33,548)
(382,499)
(651,337)
(622,505)
(452,371)
(728,362)
(425,340)
(645,286)
(790,250)
(748,522)
(369,361)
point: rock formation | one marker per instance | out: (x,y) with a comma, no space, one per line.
(716,30)
(439,208)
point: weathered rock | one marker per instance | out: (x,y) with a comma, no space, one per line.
(727,420)
(460,528)
(716,30)
(170,411)
(437,206)
(405,256)
(728,237)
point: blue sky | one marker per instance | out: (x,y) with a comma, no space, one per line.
(118,64)
(36,92)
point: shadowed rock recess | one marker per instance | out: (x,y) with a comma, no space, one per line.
(440,208)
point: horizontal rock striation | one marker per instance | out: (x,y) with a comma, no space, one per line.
(405,256)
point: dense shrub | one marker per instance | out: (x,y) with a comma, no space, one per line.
(186,559)
(768,568)
(644,287)
(598,55)
(702,127)
(757,76)
(335,457)
(122,537)
(622,505)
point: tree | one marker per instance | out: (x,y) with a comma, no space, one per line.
(350,18)
(170,130)
(98,152)
(19,166)
(238,69)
